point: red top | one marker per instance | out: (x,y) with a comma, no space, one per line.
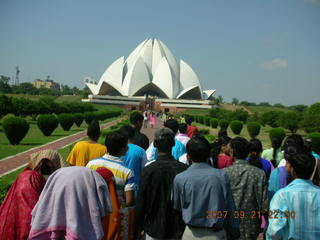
(224,161)
(15,211)
(191,130)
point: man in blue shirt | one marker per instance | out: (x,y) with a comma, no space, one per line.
(204,196)
(295,210)
(136,157)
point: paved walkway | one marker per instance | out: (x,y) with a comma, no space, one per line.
(19,160)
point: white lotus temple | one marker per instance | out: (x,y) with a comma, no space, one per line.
(152,70)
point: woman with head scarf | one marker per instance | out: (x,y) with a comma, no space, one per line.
(71,206)
(15,211)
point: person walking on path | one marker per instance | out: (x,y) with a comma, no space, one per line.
(145,119)
(84,151)
(191,130)
(136,120)
(152,119)
(15,211)
(155,215)
(202,191)
(249,189)
(296,205)
(182,136)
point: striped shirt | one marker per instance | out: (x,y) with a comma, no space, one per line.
(297,208)
(123,175)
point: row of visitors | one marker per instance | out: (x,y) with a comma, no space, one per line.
(178,187)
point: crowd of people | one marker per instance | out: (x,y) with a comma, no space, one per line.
(179,186)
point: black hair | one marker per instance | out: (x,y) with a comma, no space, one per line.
(295,139)
(255,149)
(128,131)
(164,142)
(188,119)
(93,130)
(276,144)
(240,147)
(136,117)
(302,162)
(198,148)
(115,142)
(216,148)
(172,124)
(183,127)
(223,133)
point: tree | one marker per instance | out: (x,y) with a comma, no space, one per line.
(235,101)
(290,121)
(66,90)
(5,105)
(279,105)
(271,118)
(314,109)
(220,99)
(298,108)
(264,104)
(4,84)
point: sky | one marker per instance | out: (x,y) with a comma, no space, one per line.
(252,50)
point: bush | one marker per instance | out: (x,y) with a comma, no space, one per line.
(78,119)
(223,124)
(315,137)
(239,114)
(214,122)
(47,123)
(15,128)
(253,129)
(290,121)
(201,119)
(207,121)
(210,137)
(89,117)
(277,132)
(311,123)
(204,131)
(271,118)
(66,121)
(236,126)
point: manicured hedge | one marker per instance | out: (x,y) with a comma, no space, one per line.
(214,122)
(47,123)
(253,129)
(66,121)
(15,128)
(223,124)
(78,119)
(236,126)
(277,132)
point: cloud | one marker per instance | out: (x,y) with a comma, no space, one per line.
(274,64)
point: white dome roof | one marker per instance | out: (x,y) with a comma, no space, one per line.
(151,68)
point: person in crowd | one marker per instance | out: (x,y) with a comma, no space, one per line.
(136,120)
(274,154)
(84,151)
(249,188)
(71,206)
(177,151)
(145,119)
(220,152)
(111,223)
(255,159)
(152,119)
(117,145)
(222,133)
(154,212)
(296,205)
(15,211)
(135,158)
(201,191)
(182,135)
(279,177)
(191,130)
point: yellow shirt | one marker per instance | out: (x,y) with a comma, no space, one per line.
(85,151)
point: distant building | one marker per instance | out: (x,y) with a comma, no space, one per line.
(38,83)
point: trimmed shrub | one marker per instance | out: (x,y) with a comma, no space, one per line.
(204,131)
(210,137)
(277,132)
(253,129)
(214,122)
(15,128)
(89,117)
(207,121)
(201,119)
(315,137)
(78,119)
(66,121)
(47,123)
(236,126)
(223,124)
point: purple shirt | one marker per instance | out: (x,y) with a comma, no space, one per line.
(266,166)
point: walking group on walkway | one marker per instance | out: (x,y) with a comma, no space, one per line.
(179,186)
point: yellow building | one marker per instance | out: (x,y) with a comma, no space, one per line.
(38,83)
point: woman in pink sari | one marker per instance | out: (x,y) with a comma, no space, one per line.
(15,211)
(152,119)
